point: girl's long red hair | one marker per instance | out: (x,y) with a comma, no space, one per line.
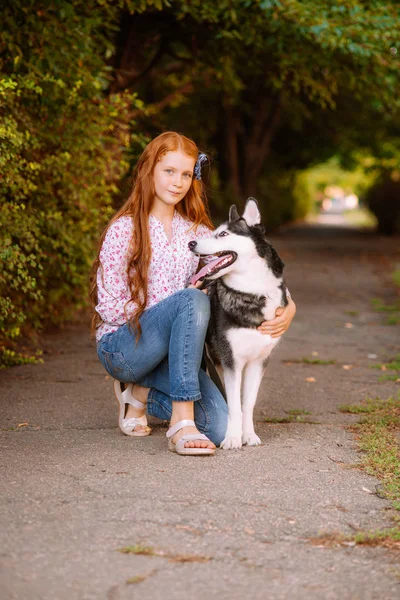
(138,206)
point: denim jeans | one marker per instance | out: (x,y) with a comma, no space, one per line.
(167,360)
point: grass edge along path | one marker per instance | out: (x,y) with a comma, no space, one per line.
(378,438)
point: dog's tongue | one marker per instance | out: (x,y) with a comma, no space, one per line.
(205,270)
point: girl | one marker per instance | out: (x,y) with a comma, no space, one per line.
(150,327)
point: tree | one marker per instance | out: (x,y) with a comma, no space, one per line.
(267,86)
(255,76)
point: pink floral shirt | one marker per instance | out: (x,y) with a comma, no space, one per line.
(172,264)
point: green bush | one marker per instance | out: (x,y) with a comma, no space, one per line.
(63,145)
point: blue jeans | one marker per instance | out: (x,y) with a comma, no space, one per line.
(167,360)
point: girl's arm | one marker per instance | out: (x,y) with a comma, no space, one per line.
(113,293)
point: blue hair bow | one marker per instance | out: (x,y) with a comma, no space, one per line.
(197,167)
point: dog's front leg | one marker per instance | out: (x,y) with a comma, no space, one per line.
(233,436)
(252,376)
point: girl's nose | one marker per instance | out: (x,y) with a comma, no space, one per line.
(178,181)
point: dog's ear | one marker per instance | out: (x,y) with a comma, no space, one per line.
(251,213)
(233,213)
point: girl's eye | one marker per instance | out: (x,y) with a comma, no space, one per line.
(223,234)
(169,171)
(188,175)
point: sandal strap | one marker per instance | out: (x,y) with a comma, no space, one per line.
(194,436)
(128,398)
(178,426)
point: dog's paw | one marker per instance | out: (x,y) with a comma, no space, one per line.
(251,439)
(230,443)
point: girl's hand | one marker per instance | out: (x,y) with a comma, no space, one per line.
(198,284)
(276,327)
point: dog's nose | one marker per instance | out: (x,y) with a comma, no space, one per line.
(192,245)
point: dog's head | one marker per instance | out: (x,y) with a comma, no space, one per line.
(235,243)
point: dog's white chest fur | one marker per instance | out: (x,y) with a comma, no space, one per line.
(250,345)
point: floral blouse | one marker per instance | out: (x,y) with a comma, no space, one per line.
(172,265)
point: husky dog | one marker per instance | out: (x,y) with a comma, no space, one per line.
(245,288)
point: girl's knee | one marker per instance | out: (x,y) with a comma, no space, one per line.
(198,300)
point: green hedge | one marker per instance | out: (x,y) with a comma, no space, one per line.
(63,145)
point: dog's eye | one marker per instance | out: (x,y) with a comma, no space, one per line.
(223,233)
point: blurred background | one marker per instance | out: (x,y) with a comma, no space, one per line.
(296,103)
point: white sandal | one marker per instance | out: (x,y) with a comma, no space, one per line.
(179,447)
(129,425)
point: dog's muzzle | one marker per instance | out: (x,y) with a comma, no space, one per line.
(221,261)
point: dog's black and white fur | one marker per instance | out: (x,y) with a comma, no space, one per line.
(246,289)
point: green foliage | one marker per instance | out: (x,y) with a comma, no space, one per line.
(10,358)
(331,173)
(383,199)
(62,144)
(268,87)
(282,197)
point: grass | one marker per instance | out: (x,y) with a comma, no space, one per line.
(137,578)
(389,377)
(379,306)
(369,406)
(296,415)
(377,434)
(386,538)
(139,549)
(393,365)
(311,361)
(392,310)
(317,361)
(375,538)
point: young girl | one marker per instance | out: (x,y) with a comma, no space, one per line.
(150,327)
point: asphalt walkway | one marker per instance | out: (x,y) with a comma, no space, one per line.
(240,524)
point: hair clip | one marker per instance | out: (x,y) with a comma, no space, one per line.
(197,167)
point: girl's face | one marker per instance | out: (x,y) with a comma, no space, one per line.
(173,176)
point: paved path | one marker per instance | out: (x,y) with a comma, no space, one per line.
(75,490)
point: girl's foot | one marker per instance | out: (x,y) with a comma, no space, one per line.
(132,408)
(184,438)
(182,411)
(139,393)
(191,443)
